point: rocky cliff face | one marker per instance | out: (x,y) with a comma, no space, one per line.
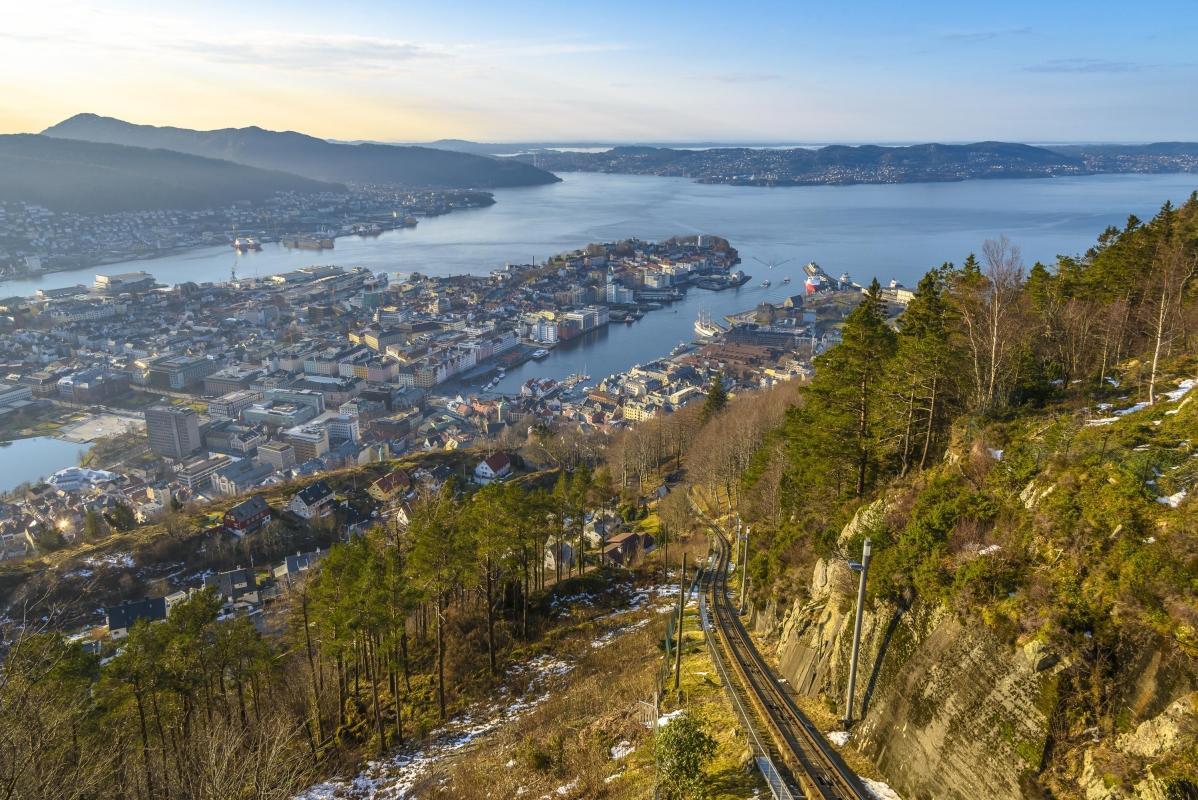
(945,710)
(949,712)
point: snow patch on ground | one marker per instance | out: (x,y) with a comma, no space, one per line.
(666,719)
(1123,412)
(995,454)
(393,777)
(568,601)
(614,633)
(1182,389)
(565,789)
(1173,500)
(838,738)
(879,790)
(118,560)
(1173,396)
(622,750)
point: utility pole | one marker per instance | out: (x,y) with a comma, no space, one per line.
(744,569)
(734,556)
(863,568)
(681,609)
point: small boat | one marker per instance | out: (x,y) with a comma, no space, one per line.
(501,372)
(765,284)
(786,279)
(539,354)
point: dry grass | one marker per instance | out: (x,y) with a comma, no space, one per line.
(563,748)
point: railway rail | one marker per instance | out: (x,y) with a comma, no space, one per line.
(811,762)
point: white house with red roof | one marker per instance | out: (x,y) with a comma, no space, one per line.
(494,467)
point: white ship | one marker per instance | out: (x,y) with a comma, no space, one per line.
(706,328)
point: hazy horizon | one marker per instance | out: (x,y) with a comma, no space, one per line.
(595,143)
(621,72)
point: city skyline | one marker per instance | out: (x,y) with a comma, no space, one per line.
(538,72)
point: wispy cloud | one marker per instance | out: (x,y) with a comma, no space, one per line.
(739,77)
(1084,65)
(973,37)
(334,53)
(321,53)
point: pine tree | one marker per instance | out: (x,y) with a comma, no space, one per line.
(717,397)
(93,525)
(443,553)
(834,435)
(921,380)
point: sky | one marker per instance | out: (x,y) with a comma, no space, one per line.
(610,70)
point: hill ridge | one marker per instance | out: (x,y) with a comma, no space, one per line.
(292,151)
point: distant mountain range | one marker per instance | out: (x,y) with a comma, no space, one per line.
(91,177)
(841,164)
(414,167)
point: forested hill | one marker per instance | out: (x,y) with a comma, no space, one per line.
(835,164)
(66,175)
(415,167)
(839,164)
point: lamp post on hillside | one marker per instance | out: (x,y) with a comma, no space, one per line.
(863,568)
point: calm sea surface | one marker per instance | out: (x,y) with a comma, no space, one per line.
(30,459)
(893,231)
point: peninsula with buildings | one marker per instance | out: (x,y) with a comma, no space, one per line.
(36,239)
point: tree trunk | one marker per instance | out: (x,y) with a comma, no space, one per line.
(311,668)
(1157,339)
(491,618)
(145,743)
(441,655)
(927,439)
(372,665)
(862,431)
(905,462)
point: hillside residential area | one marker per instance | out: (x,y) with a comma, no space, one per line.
(35,239)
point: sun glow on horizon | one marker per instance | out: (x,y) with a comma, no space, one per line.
(516,71)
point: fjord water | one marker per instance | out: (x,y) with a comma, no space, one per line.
(29,459)
(889,231)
